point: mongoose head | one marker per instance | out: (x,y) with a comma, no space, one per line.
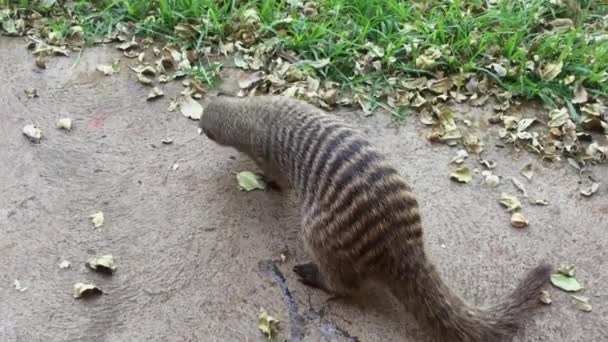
(215,120)
(229,121)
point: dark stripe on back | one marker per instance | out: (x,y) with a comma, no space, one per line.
(351,193)
(350,172)
(330,148)
(400,225)
(306,146)
(299,136)
(372,230)
(321,144)
(334,162)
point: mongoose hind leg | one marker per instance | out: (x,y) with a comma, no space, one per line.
(338,285)
(310,275)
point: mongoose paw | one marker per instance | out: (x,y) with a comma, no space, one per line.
(309,275)
(274,186)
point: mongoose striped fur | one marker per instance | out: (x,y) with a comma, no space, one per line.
(360,218)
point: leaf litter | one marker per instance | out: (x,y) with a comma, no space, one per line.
(461,175)
(519,220)
(490,179)
(520,186)
(545,297)
(461,155)
(589,188)
(190,108)
(267,324)
(31,92)
(284,73)
(32,133)
(106,69)
(528,171)
(19,287)
(155,93)
(249,181)
(82,290)
(103,264)
(64,123)
(97,219)
(510,202)
(582,303)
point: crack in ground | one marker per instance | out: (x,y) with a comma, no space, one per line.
(297,322)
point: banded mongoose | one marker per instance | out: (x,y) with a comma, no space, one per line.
(360,218)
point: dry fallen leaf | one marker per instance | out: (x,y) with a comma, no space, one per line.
(31,92)
(190,108)
(97,219)
(267,324)
(558,117)
(528,171)
(167,141)
(588,190)
(249,181)
(509,201)
(580,94)
(520,186)
(251,80)
(86,290)
(551,71)
(461,155)
(64,123)
(144,79)
(461,175)
(33,133)
(490,179)
(41,62)
(144,70)
(173,105)
(155,93)
(523,124)
(561,24)
(518,220)
(487,163)
(103,264)
(19,287)
(582,303)
(106,69)
(545,297)
(567,270)
(542,202)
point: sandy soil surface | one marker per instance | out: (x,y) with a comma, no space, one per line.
(197,258)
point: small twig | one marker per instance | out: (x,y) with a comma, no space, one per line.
(164,182)
(77,59)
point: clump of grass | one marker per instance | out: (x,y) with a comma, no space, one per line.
(468,34)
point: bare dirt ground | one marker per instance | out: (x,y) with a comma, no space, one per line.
(197,258)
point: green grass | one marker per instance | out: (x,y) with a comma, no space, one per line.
(468,34)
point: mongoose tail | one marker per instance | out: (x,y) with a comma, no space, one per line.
(434,305)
